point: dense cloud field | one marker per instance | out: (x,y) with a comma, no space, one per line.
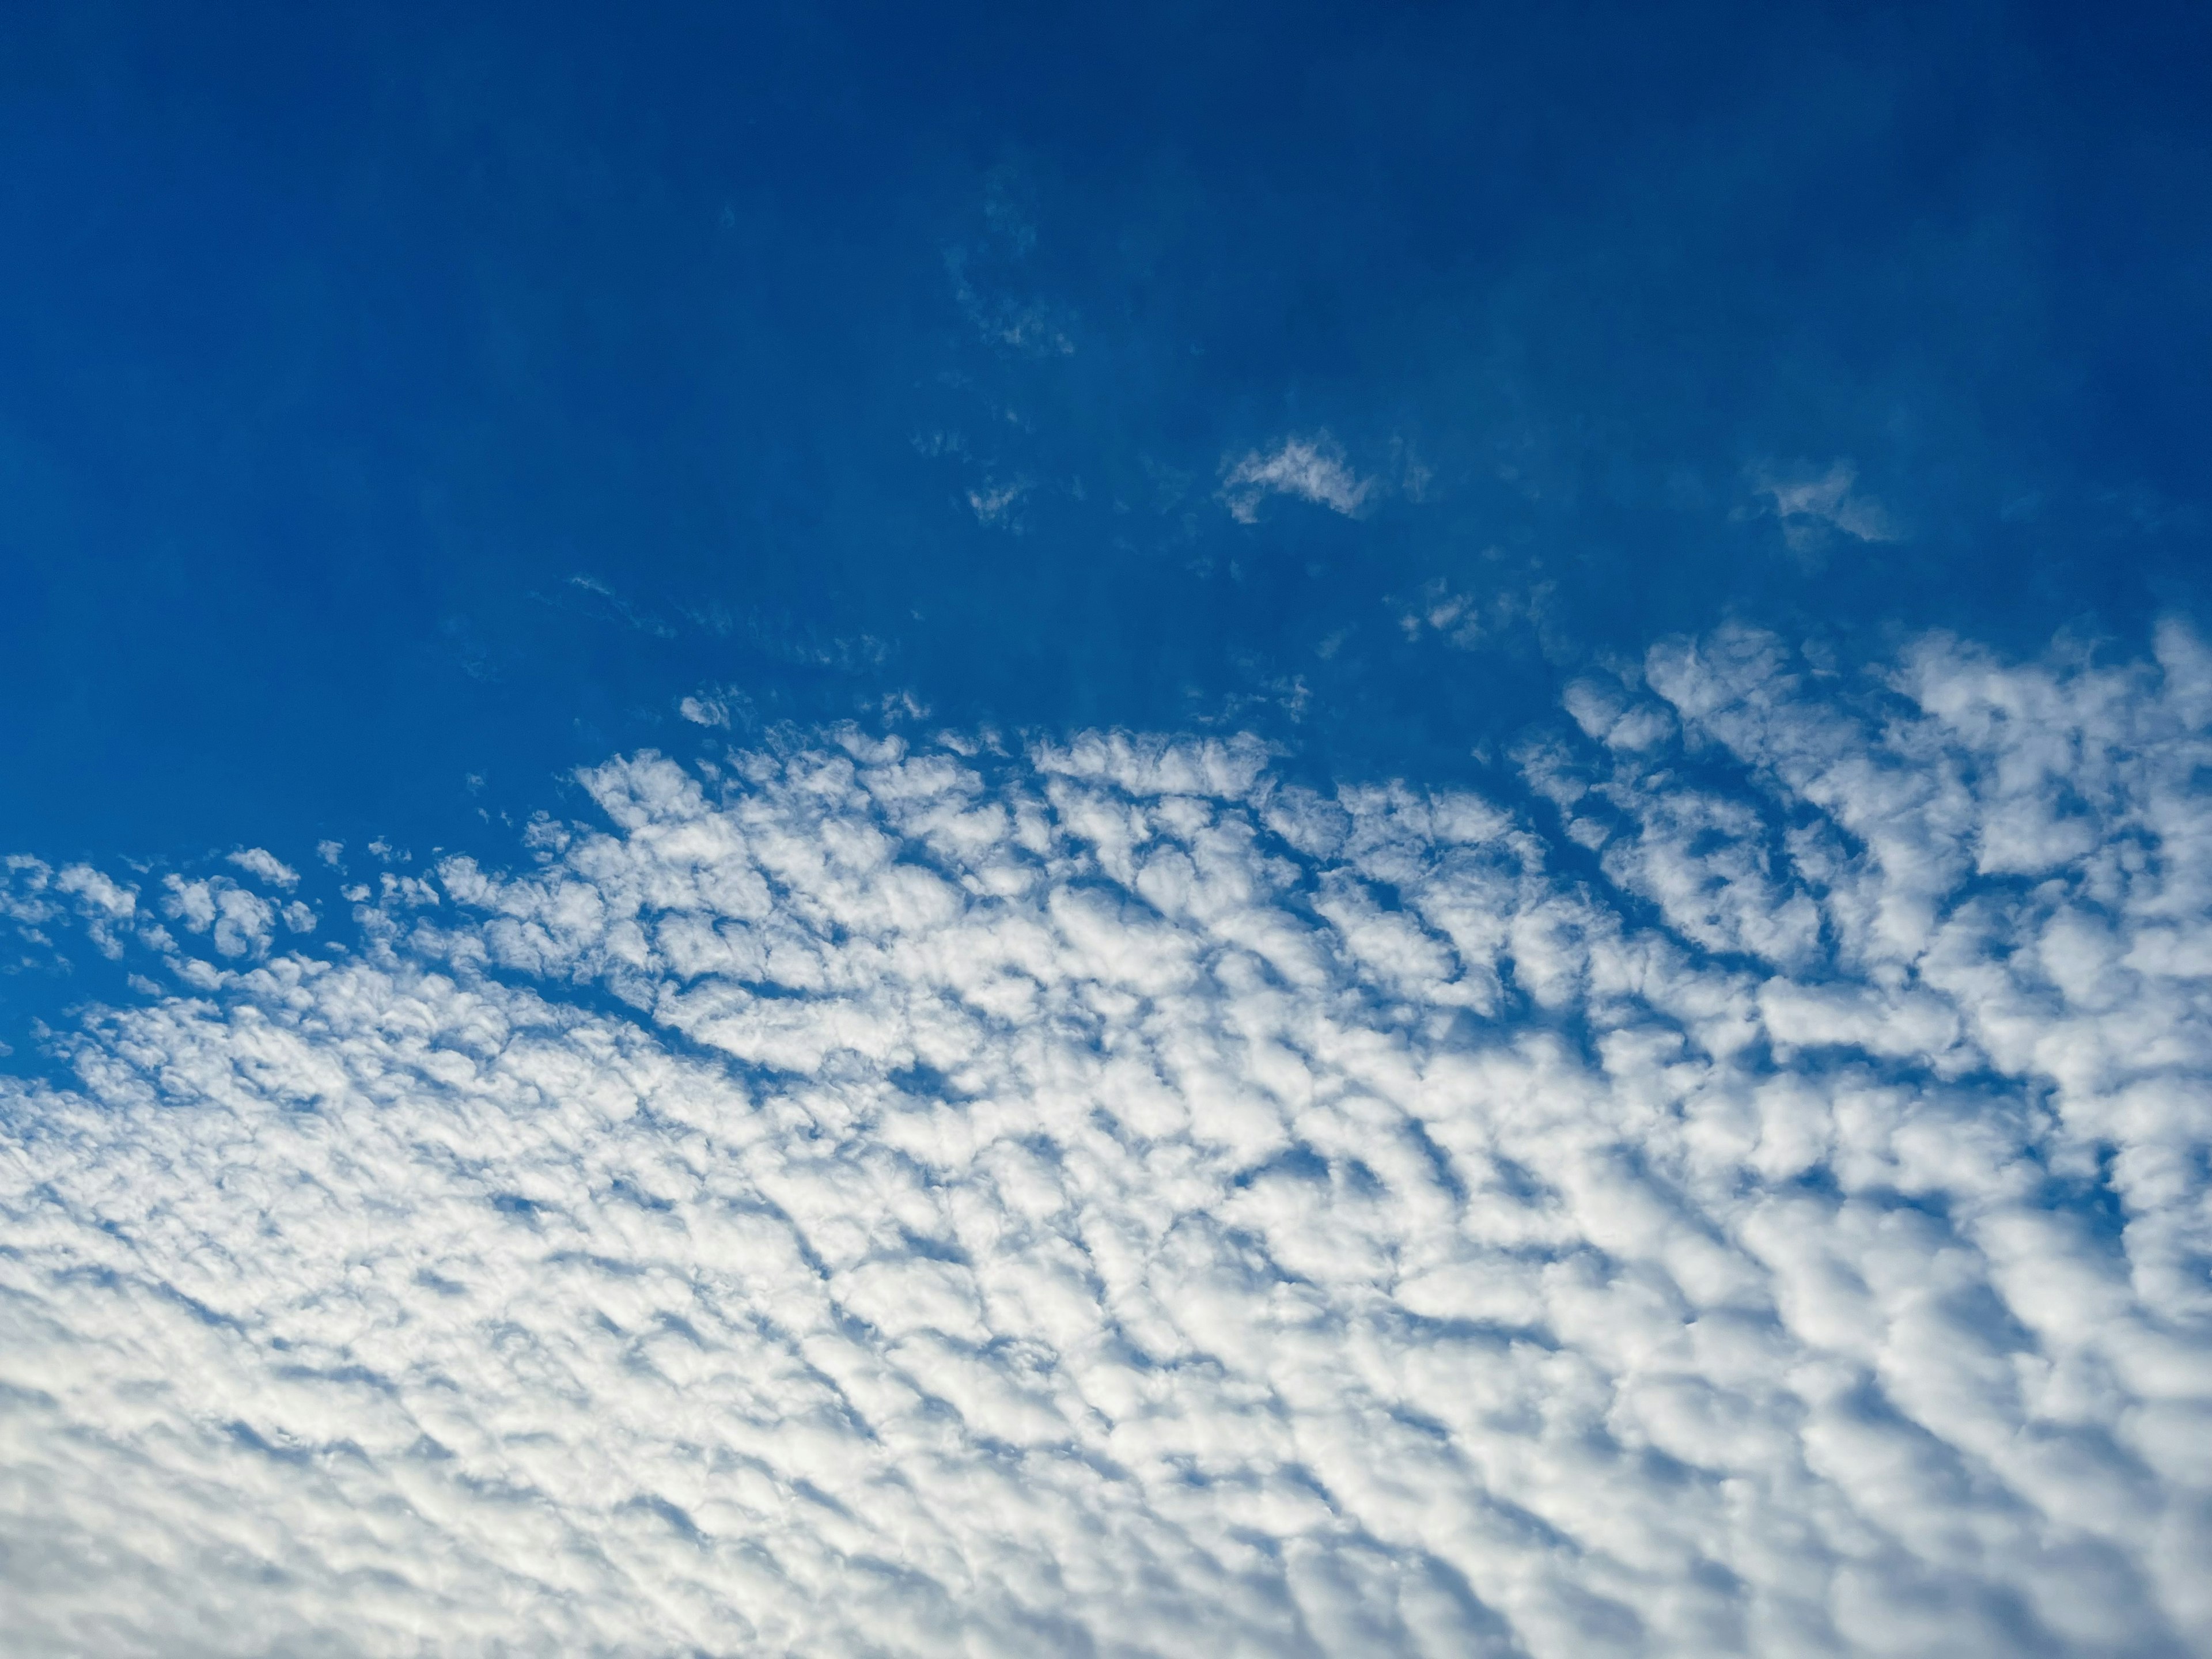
(1743,1188)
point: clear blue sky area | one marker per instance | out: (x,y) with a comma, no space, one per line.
(399,408)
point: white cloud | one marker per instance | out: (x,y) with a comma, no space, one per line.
(1815,502)
(25,903)
(35,897)
(266,866)
(1470,620)
(107,907)
(1313,469)
(1111,1202)
(995,503)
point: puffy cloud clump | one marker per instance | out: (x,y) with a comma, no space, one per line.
(1747,1195)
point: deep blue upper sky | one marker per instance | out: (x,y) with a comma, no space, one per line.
(389,401)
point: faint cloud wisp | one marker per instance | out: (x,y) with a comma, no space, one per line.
(1815,504)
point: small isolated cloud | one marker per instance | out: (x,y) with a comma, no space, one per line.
(1312,469)
(720,709)
(261,863)
(1816,504)
(995,503)
(897,706)
(1467,620)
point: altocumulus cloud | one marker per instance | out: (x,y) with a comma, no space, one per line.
(1748,1194)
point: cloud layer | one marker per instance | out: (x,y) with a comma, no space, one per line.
(1749,1195)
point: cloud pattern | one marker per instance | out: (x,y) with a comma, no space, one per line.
(1748,1194)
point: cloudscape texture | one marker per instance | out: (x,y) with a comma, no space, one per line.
(1738,1185)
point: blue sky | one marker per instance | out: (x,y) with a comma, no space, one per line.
(1556,646)
(341,348)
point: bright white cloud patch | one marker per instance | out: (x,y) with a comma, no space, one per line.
(1311,469)
(265,865)
(1753,1199)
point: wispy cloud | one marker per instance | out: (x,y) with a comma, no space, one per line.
(1111,1200)
(991,282)
(1468,620)
(1311,469)
(591,596)
(995,503)
(1815,503)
